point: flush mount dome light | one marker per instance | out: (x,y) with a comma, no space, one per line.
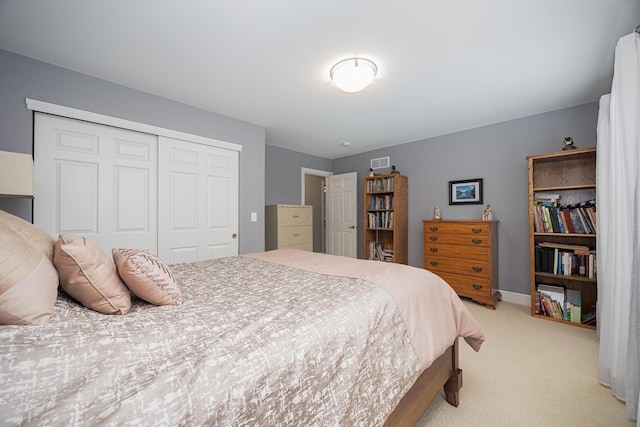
(353,74)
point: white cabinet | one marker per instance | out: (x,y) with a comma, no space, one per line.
(289,226)
(130,189)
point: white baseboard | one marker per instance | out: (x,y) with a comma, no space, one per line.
(516,298)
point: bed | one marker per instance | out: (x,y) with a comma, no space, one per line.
(283,337)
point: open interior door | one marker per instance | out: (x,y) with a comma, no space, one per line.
(341,214)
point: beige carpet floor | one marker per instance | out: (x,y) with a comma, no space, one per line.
(529,372)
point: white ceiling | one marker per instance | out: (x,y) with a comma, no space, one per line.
(444,66)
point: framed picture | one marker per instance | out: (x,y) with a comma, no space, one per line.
(466,192)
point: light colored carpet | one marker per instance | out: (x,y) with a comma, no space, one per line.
(529,372)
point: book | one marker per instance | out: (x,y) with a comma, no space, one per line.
(577,221)
(574,305)
(554,220)
(546,199)
(567,218)
(556,296)
(575,248)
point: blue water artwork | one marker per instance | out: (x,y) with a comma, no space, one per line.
(466,192)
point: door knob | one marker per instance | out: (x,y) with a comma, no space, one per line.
(234,235)
(352,226)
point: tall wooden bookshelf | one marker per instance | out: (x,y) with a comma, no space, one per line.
(385,218)
(571,175)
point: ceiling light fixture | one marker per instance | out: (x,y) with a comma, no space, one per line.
(353,74)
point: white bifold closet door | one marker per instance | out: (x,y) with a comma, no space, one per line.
(197,201)
(96,181)
(128,189)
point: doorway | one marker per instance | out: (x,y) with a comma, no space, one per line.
(314,194)
(338,236)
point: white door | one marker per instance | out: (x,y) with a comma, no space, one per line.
(96,181)
(341,214)
(197,201)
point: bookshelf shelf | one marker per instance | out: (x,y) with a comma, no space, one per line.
(385,218)
(570,177)
(570,278)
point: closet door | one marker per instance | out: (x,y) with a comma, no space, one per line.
(96,181)
(197,201)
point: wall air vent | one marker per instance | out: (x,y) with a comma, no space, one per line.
(380,163)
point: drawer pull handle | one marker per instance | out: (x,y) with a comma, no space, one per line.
(477,287)
(433,249)
(477,230)
(476,241)
(477,269)
(434,263)
(296,234)
(433,238)
(434,228)
(295,216)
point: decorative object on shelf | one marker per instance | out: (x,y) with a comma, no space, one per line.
(353,74)
(371,172)
(568,144)
(487,214)
(436,213)
(465,192)
(394,170)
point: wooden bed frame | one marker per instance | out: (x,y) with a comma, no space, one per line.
(443,373)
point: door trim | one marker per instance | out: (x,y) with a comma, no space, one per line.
(73,113)
(308,171)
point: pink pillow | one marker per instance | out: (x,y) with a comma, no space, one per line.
(29,232)
(88,275)
(147,276)
(28,281)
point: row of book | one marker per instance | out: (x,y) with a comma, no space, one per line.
(576,219)
(380,219)
(561,303)
(382,202)
(379,185)
(566,260)
(379,252)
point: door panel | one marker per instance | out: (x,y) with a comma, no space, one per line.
(96,181)
(202,199)
(341,218)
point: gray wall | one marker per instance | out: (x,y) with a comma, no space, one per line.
(22,77)
(283,177)
(495,153)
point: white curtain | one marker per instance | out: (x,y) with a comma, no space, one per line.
(618,224)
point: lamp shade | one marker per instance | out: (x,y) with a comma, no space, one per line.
(16,174)
(353,74)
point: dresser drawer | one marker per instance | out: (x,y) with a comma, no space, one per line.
(292,216)
(459,266)
(468,286)
(470,228)
(477,253)
(465,254)
(301,246)
(295,235)
(457,239)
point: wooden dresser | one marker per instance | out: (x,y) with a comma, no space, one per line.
(465,254)
(288,226)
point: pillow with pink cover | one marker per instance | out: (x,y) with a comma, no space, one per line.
(28,281)
(88,275)
(147,276)
(29,232)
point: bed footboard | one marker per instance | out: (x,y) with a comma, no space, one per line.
(443,373)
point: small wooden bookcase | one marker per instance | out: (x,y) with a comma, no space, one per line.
(385,218)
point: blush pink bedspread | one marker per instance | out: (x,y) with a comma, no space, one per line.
(432,327)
